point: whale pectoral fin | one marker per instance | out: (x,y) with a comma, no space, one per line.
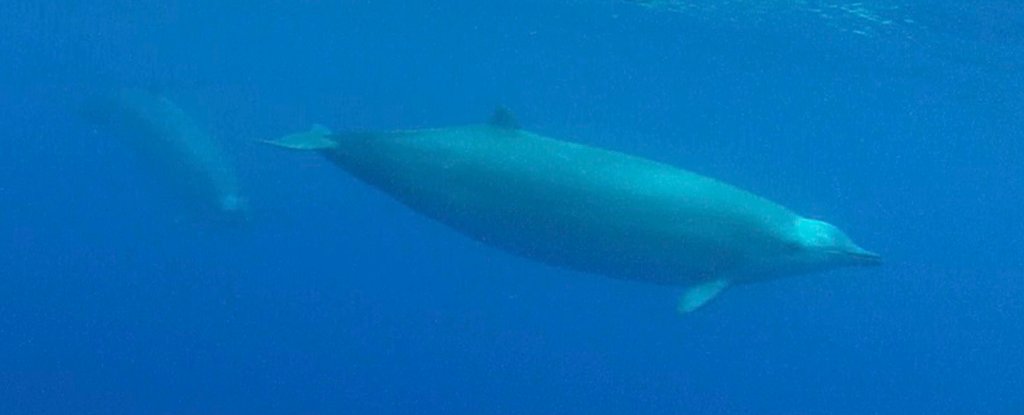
(699,295)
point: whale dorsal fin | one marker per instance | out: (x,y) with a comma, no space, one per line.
(503,118)
(699,295)
(319,129)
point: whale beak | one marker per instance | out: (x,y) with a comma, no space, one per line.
(863,257)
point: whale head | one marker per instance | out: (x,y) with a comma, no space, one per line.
(820,245)
(234,206)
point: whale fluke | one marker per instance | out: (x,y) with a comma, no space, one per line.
(316,138)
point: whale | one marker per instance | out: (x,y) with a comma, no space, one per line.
(587,209)
(182,153)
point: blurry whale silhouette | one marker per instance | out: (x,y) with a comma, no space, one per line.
(586,208)
(187,157)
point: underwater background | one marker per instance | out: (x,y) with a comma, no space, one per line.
(898,122)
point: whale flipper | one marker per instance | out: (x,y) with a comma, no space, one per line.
(699,295)
(317,138)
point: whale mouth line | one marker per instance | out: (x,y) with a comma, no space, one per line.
(864,256)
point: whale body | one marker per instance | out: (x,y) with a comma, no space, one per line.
(189,159)
(587,208)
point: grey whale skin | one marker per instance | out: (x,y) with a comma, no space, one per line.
(586,208)
(187,157)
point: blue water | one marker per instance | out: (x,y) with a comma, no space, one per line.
(335,299)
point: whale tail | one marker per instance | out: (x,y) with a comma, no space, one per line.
(317,137)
